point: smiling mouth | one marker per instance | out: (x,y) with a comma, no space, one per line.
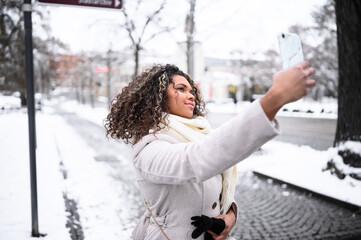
(190,105)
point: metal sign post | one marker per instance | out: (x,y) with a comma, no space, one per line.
(29,68)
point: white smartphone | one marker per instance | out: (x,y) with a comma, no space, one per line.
(290,49)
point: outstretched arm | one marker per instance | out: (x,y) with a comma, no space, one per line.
(160,161)
(288,86)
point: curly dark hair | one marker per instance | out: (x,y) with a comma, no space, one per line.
(141,105)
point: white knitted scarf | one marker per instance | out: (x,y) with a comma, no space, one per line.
(196,129)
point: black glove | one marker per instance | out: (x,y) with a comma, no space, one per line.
(202,223)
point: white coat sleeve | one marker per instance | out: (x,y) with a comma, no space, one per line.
(162,161)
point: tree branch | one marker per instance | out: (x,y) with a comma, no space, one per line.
(165,29)
(129,25)
(150,18)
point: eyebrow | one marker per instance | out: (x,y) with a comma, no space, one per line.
(182,84)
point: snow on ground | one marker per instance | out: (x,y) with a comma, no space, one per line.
(95,115)
(302,166)
(88,182)
(97,194)
(90,185)
(10,102)
(15,205)
(327,108)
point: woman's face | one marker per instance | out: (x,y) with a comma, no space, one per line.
(181,101)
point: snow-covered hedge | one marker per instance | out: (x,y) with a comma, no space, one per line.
(345,160)
(10,102)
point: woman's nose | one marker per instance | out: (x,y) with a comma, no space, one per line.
(191,96)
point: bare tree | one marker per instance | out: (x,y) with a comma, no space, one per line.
(137,30)
(112,59)
(190,26)
(12,47)
(348,17)
(44,55)
(323,55)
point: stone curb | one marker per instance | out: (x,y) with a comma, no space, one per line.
(348,205)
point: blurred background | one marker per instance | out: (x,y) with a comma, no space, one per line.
(305,184)
(230,48)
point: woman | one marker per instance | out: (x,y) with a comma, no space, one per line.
(184,170)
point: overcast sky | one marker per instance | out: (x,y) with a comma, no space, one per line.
(221,25)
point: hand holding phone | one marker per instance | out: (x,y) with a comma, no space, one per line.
(290,49)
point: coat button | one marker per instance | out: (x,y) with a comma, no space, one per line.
(214,205)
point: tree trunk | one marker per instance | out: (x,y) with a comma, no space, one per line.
(136,59)
(91,85)
(109,79)
(23,98)
(190,39)
(348,19)
(82,96)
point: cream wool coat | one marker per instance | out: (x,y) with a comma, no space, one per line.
(181,180)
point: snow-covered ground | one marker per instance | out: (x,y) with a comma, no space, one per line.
(302,166)
(98,195)
(87,181)
(10,101)
(15,205)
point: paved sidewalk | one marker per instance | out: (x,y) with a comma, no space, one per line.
(272,210)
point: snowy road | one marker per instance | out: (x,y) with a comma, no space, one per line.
(115,154)
(315,132)
(113,203)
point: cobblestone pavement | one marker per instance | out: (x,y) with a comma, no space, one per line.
(267,210)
